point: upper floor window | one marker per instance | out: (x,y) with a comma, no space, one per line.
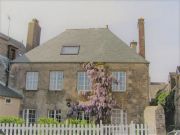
(11,53)
(121,79)
(56,80)
(29,115)
(55,114)
(70,50)
(83,83)
(31,80)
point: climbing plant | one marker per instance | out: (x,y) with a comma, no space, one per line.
(100,99)
(166,99)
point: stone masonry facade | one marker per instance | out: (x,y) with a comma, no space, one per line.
(5,43)
(133,100)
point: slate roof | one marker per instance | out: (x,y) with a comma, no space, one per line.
(96,45)
(7,92)
(12,41)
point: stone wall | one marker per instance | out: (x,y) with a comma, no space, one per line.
(134,100)
(154,117)
(3,47)
(11,109)
(3,67)
(4,43)
(3,56)
(177,102)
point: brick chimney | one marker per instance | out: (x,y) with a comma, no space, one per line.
(33,37)
(141,37)
(133,45)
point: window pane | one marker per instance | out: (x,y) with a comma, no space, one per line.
(121,78)
(118,116)
(83,81)
(70,50)
(56,80)
(29,115)
(31,80)
(81,115)
(55,114)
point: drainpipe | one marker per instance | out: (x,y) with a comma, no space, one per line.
(7,74)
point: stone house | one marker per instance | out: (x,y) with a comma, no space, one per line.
(51,74)
(9,50)
(10,99)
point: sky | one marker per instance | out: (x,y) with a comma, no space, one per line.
(162,24)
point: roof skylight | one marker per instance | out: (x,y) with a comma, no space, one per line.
(70,50)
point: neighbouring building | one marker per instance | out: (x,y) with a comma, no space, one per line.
(177,98)
(9,50)
(155,87)
(51,74)
(10,101)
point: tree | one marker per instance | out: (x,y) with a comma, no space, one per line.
(100,100)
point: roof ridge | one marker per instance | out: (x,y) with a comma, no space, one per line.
(86,28)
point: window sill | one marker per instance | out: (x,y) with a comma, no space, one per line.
(30,90)
(118,91)
(55,90)
(83,90)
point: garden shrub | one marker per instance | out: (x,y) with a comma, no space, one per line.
(44,120)
(76,121)
(11,119)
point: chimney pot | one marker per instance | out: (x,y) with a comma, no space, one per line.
(133,45)
(35,20)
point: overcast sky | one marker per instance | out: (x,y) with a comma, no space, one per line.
(162,24)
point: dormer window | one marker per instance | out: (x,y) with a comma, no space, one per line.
(11,52)
(70,50)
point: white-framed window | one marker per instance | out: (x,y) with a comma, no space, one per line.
(70,50)
(118,116)
(56,80)
(121,79)
(55,114)
(81,115)
(83,83)
(32,80)
(29,115)
(7,100)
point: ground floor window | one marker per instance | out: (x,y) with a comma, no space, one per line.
(7,100)
(29,115)
(83,116)
(118,116)
(55,114)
